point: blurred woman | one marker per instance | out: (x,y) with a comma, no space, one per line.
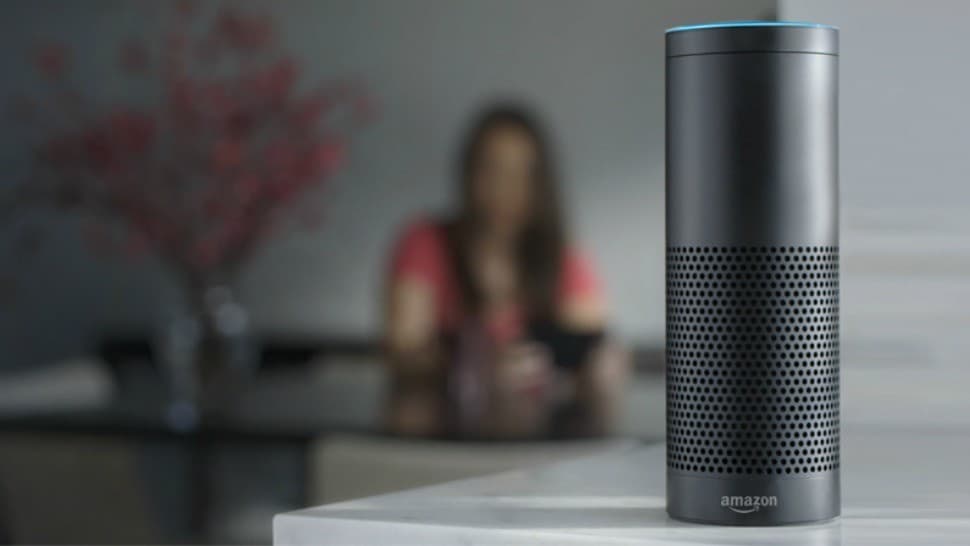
(494,320)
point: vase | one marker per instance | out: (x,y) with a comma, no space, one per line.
(206,349)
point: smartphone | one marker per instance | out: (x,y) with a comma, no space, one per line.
(569,348)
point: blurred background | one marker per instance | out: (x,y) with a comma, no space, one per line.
(175,370)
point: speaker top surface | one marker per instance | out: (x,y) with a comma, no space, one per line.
(753,37)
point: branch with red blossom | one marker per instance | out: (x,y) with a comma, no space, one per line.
(205,173)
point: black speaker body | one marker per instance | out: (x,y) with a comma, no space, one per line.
(752,273)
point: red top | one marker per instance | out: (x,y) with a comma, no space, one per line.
(422,255)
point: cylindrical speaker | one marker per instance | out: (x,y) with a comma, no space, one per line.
(752,273)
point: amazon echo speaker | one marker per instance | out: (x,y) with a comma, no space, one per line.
(752,233)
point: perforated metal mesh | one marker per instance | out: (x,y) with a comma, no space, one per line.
(753,360)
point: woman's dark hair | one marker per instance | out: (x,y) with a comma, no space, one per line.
(540,248)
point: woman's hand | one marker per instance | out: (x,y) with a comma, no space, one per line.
(522,370)
(520,389)
(414,361)
(601,385)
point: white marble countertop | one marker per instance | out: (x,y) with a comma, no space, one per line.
(900,487)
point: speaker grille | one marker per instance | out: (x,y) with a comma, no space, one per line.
(752,360)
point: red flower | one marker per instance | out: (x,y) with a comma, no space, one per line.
(101,155)
(215,204)
(205,175)
(240,124)
(308,113)
(135,245)
(227,154)
(51,60)
(244,32)
(247,189)
(185,8)
(326,157)
(280,79)
(122,136)
(134,57)
(281,158)
(182,94)
(132,132)
(216,100)
(61,150)
(271,84)
(205,253)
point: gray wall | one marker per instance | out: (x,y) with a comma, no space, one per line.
(595,69)
(905,159)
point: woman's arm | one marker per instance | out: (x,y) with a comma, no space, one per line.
(414,360)
(599,383)
(412,344)
(410,340)
(600,388)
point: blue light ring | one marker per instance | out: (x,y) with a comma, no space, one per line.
(750,24)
